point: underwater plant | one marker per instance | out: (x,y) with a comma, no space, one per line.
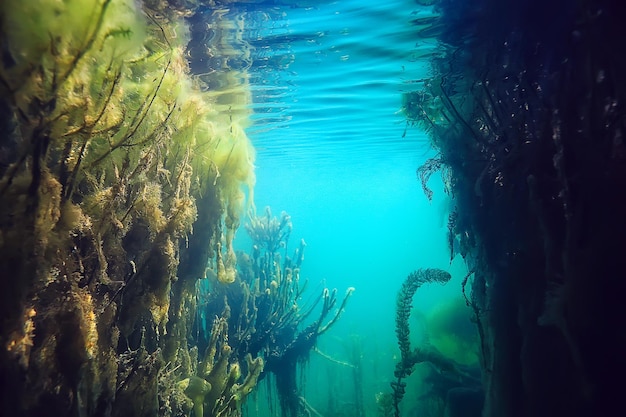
(120,177)
(533,140)
(266,316)
(269,232)
(219,385)
(449,373)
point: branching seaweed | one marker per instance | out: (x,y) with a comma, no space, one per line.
(267,316)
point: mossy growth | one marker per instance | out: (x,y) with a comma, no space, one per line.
(220,387)
(109,146)
(451,332)
(196,389)
(125,127)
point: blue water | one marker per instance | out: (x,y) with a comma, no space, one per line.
(335,152)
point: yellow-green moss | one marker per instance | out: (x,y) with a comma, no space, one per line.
(452,333)
(115,145)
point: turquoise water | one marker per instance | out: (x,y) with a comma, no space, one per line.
(335,152)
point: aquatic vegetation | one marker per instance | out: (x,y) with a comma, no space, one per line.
(265,315)
(269,232)
(404,306)
(385,404)
(121,176)
(218,385)
(452,332)
(450,374)
(196,389)
(530,128)
(403,309)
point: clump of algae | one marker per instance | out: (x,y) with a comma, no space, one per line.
(108,148)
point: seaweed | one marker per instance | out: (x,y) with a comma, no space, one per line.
(267,317)
(532,138)
(408,357)
(110,146)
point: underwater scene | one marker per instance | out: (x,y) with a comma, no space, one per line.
(312,208)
